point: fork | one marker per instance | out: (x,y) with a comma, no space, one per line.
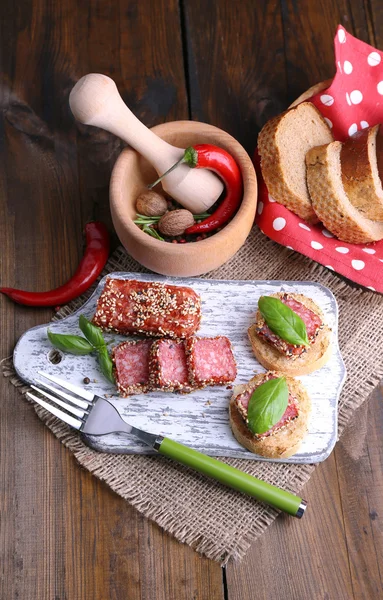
(93,415)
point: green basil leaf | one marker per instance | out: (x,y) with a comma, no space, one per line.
(106,364)
(92,333)
(267,405)
(283,321)
(74,344)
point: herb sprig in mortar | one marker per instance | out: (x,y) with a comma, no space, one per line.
(146,223)
(78,345)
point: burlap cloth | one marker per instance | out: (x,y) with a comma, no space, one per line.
(211,518)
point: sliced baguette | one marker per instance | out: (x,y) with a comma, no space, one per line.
(316,356)
(282,145)
(360,176)
(330,202)
(283,443)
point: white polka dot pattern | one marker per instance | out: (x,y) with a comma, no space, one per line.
(352,102)
(342,36)
(347,67)
(356,97)
(358,265)
(327,100)
(373,59)
(279,223)
(316,245)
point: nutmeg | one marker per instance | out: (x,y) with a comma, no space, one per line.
(175,222)
(151,204)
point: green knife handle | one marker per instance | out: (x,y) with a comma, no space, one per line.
(270,494)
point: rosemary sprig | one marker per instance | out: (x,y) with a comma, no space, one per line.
(146,224)
(152,232)
(144,220)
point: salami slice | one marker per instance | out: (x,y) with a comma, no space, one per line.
(291,412)
(149,308)
(210,361)
(131,367)
(311,319)
(167,366)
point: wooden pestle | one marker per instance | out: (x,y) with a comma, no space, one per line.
(95,100)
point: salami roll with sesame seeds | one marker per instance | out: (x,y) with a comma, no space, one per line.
(149,308)
(210,361)
(131,366)
(286,436)
(168,370)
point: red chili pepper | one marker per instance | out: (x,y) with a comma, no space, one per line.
(90,267)
(206,156)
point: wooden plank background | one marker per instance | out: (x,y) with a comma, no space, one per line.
(63,533)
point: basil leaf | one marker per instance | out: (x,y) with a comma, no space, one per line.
(92,333)
(106,364)
(283,321)
(267,405)
(74,344)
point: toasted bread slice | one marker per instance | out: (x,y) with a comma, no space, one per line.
(282,145)
(313,359)
(330,201)
(283,443)
(360,175)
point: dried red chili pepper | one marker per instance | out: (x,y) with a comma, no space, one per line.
(206,156)
(94,259)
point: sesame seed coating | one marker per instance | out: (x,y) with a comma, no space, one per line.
(149,308)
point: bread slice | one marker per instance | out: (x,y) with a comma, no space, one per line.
(282,145)
(286,441)
(360,176)
(316,356)
(330,202)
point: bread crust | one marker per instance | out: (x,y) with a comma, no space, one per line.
(272,164)
(283,443)
(330,201)
(360,175)
(316,356)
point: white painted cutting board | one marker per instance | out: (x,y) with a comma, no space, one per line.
(200,419)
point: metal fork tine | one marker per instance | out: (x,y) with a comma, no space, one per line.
(76,423)
(68,386)
(81,403)
(75,411)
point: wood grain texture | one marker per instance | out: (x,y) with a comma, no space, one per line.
(233,84)
(63,534)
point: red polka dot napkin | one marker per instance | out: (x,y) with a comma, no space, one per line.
(353,101)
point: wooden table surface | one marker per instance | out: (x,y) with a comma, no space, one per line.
(63,533)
